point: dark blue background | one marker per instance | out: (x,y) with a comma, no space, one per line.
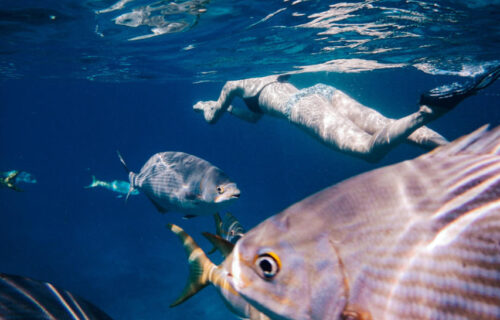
(120,256)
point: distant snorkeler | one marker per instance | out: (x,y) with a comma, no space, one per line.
(336,119)
(12,178)
(118,186)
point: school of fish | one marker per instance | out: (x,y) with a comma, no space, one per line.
(416,240)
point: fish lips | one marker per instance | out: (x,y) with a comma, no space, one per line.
(231,192)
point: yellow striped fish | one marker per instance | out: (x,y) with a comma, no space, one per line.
(416,240)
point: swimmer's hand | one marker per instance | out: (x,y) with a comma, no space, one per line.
(208,108)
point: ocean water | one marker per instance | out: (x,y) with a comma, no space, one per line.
(82,79)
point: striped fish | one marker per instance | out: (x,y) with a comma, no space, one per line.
(177,181)
(416,240)
(24,298)
(229,228)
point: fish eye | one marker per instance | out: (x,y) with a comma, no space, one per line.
(268,265)
(220,189)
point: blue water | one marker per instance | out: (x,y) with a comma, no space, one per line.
(74,89)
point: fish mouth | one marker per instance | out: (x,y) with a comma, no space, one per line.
(236,194)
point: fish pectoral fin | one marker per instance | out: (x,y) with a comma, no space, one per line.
(158,206)
(199,265)
(224,246)
(192,196)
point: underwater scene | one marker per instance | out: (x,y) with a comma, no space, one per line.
(301,159)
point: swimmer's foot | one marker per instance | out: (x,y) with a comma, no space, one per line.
(448,96)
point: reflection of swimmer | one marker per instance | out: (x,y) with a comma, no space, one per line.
(338,120)
(118,186)
(11,178)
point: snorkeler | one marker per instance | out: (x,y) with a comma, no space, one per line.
(338,120)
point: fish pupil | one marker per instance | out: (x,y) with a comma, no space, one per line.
(266,267)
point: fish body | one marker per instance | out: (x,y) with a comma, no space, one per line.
(229,228)
(416,240)
(25,298)
(118,186)
(177,181)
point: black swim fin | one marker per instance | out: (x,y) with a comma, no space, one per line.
(448,96)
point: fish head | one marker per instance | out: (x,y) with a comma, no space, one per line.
(288,275)
(226,192)
(217,187)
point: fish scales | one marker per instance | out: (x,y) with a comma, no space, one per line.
(413,196)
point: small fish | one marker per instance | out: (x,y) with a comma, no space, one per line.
(25,298)
(229,229)
(9,180)
(118,186)
(416,240)
(177,181)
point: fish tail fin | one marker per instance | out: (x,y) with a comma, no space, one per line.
(131,188)
(93,183)
(224,246)
(199,265)
(479,142)
(131,175)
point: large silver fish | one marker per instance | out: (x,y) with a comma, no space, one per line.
(416,240)
(177,181)
(25,298)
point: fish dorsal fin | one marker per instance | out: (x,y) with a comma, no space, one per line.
(224,246)
(480,142)
(218,224)
(218,229)
(199,265)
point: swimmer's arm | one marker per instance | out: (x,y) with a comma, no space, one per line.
(244,114)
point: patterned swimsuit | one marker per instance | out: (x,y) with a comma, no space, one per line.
(320,89)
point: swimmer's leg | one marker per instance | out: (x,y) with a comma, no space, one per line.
(372,121)
(399,130)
